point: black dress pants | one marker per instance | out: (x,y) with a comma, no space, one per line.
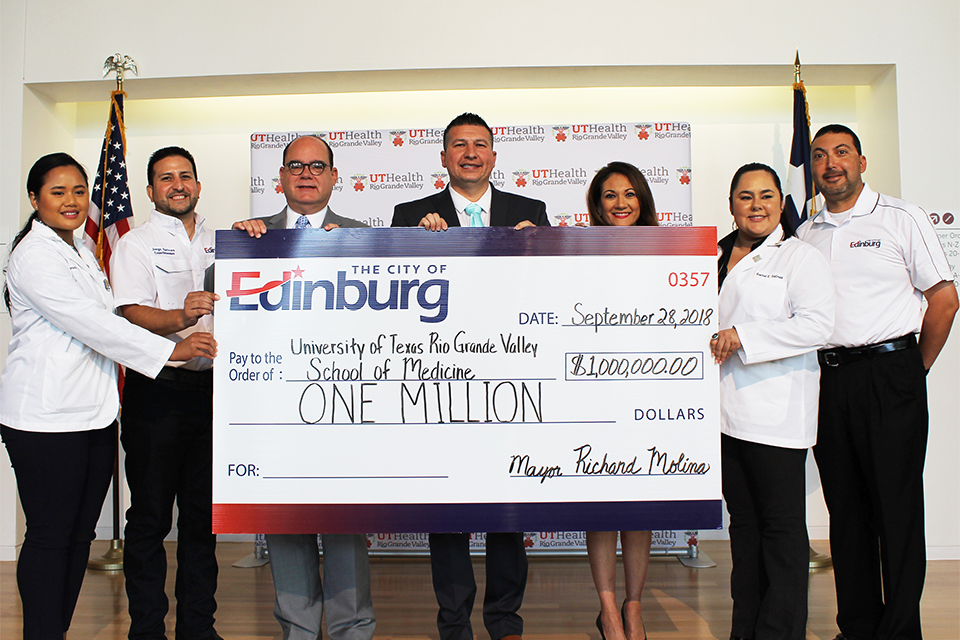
(62,479)
(871,445)
(167,433)
(456,587)
(764,487)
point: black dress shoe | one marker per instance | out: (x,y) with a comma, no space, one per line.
(840,636)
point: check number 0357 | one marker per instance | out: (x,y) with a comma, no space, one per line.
(688,278)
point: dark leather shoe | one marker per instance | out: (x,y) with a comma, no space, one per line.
(840,636)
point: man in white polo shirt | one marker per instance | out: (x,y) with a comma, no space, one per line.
(167,427)
(886,259)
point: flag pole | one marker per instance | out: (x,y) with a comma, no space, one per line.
(817,560)
(798,86)
(112,560)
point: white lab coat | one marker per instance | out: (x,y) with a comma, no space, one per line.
(780,299)
(60,373)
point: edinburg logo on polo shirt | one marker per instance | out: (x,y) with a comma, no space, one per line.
(865,243)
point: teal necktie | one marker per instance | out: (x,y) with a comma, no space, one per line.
(474,210)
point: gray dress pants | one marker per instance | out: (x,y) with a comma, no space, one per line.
(301,595)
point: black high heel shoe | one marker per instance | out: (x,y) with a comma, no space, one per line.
(600,626)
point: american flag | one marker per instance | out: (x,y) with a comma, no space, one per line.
(799,202)
(110,197)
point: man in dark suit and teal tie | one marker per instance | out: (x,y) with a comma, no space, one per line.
(471,201)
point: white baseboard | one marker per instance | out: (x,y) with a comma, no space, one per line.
(943,553)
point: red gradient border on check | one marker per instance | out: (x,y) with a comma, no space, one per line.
(435,518)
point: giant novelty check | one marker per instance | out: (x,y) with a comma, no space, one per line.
(548,379)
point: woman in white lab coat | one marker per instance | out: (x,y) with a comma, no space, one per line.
(619,196)
(58,390)
(776,308)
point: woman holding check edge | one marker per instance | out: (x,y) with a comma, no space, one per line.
(58,392)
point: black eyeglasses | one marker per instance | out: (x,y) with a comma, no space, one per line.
(316,167)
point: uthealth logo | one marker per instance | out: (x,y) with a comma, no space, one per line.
(249,292)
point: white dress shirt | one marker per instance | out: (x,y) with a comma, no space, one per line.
(460,204)
(60,373)
(314,220)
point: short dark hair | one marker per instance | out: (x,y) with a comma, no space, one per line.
(466,119)
(36,178)
(168,152)
(839,128)
(309,135)
(648,210)
(785,224)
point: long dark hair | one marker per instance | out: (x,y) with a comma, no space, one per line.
(35,181)
(648,210)
(788,229)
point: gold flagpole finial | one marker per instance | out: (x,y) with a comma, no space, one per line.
(119,63)
(796,67)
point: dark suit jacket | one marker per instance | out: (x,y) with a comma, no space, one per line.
(279,221)
(506,210)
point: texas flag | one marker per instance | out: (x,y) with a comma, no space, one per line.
(800,193)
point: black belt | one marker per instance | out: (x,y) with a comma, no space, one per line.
(186,376)
(845,355)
